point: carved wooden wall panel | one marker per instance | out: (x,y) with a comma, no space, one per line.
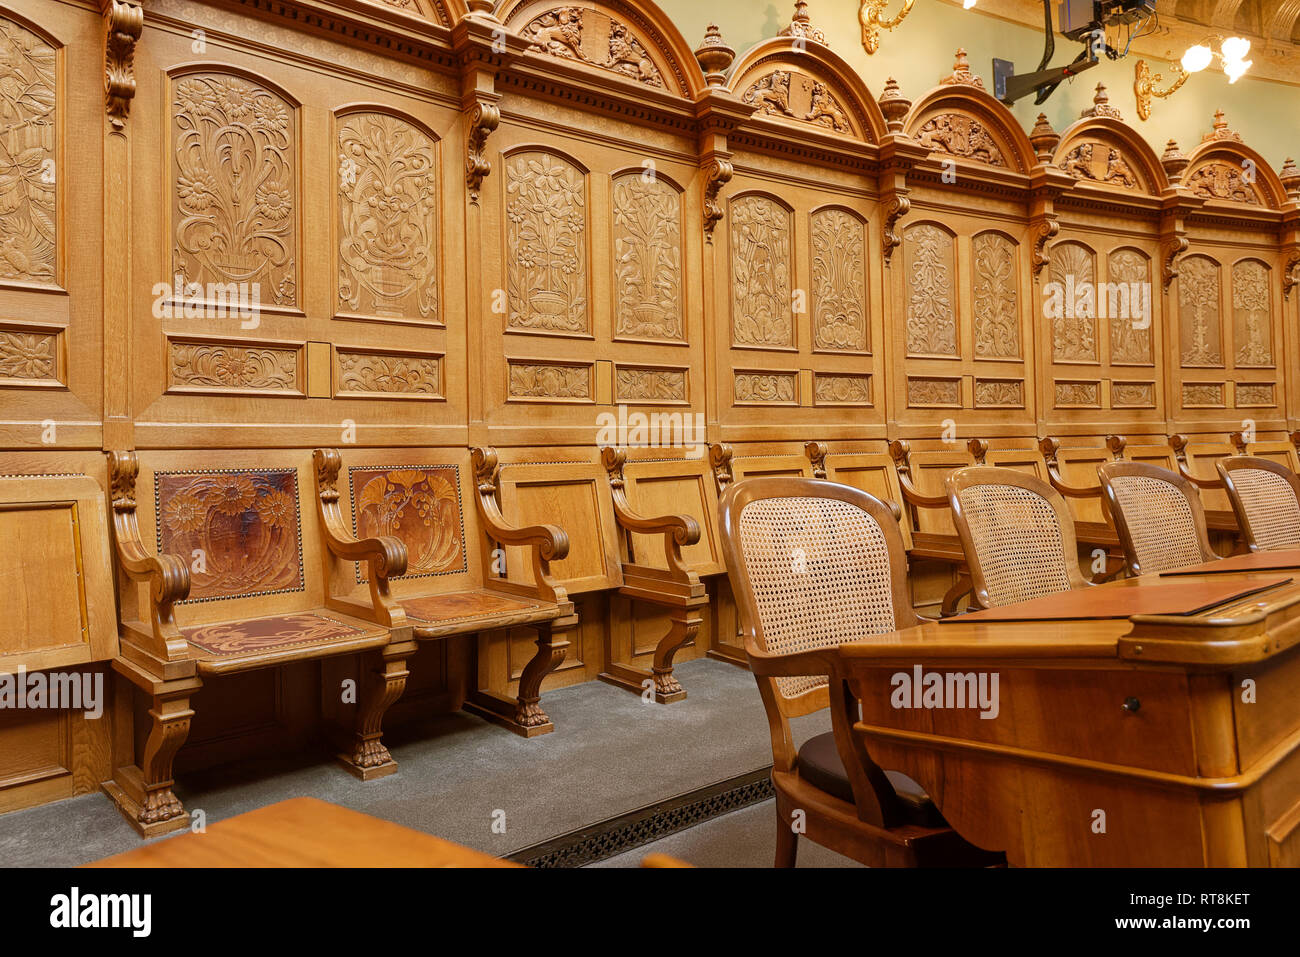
(29,127)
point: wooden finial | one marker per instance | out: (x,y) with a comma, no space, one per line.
(1044,139)
(714,56)
(961,74)
(801,25)
(894,105)
(1101,105)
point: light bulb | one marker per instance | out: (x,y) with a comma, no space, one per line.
(1235,69)
(1235,48)
(1197,58)
(967,4)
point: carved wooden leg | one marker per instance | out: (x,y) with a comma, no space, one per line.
(523,714)
(953,596)
(383,680)
(685,624)
(143,793)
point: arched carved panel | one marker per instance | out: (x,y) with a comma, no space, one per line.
(1252,314)
(1129,273)
(546,243)
(839,280)
(995,292)
(1199,312)
(1219,179)
(792,95)
(234,203)
(1071,303)
(959,134)
(929,261)
(1101,163)
(761,230)
(647,227)
(28,131)
(387,218)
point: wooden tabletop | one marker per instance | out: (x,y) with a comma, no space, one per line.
(303,832)
(1249,562)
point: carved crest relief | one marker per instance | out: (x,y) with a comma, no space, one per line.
(960,135)
(28,216)
(931,311)
(388,229)
(1101,164)
(244,523)
(1129,341)
(839,306)
(546,242)
(1198,301)
(235,193)
(419,505)
(997,318)
(761,307)
(1220,180)
(796,96)
(1250,314)
(592,37)
(648,258)
(1074,324)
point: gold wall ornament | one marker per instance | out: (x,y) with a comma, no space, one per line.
(871,14)
(1144,86)
(125,22)
(1231,53)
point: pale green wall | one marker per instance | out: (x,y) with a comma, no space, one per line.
(920,51)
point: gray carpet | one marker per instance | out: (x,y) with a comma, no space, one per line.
(611,754)
(743,838)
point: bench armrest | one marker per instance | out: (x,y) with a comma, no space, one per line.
(1179,444)
(900,451)
(549,543)
(167,576)
(1049,447)
(385,556)
(677,530)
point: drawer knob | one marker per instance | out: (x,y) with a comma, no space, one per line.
(1131,705)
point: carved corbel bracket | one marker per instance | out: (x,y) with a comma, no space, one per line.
(1171,249)
(717,174)
(1045,228)
(720,456)
(482,119)
(896,208)
(1289,277)
(817,452)
(124,22)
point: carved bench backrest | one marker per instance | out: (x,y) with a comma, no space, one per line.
(676,487)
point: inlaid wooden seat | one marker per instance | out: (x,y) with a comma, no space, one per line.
(1265,497)
(816,564)
(1158,516)
(469,571)
(1017,534)
(231,584)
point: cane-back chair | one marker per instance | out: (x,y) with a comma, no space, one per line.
(1017,533)
(813,565)
(1265,496)
(1158,515)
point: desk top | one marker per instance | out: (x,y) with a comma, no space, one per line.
(303,832)
(1250,562)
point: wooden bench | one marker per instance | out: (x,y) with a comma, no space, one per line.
(456,582)
(229,584)
(1073,473)
(1202,456)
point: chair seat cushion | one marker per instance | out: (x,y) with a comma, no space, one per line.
(255,642)
(820,766)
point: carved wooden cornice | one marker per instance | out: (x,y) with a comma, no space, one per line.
(124,22)
(483,48)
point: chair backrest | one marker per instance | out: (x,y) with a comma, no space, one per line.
(1158,516)
(1266,499)
(813,565)
(1017,534)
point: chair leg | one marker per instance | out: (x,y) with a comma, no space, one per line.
(383,681)
(787,842)
(552,646)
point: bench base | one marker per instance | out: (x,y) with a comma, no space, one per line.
(503,711)
(119,788)
(366,774)
(666,687)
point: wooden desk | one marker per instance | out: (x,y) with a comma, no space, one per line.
(304,832)
(1188,774)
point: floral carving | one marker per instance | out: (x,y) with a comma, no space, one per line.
(377,373)
(546,225)
(842,389)
(535,381)
(960,135)
(1220,180)
(419,505)
(760,272)
(1074,325)
(1251,395)
(238,530)
(931,313)
(839,306)
(999,394)
(1203,394)
(632,384)
(219,366)
(1251,308)
(592,37)
(1130,334)
(997,318)
(1133,395)
(648,258)
(27,154)
(1085,395)
(923,393)
(234,206)
(1101,164)
(388,230)
(765,387)
(1198,302)
(29,356)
